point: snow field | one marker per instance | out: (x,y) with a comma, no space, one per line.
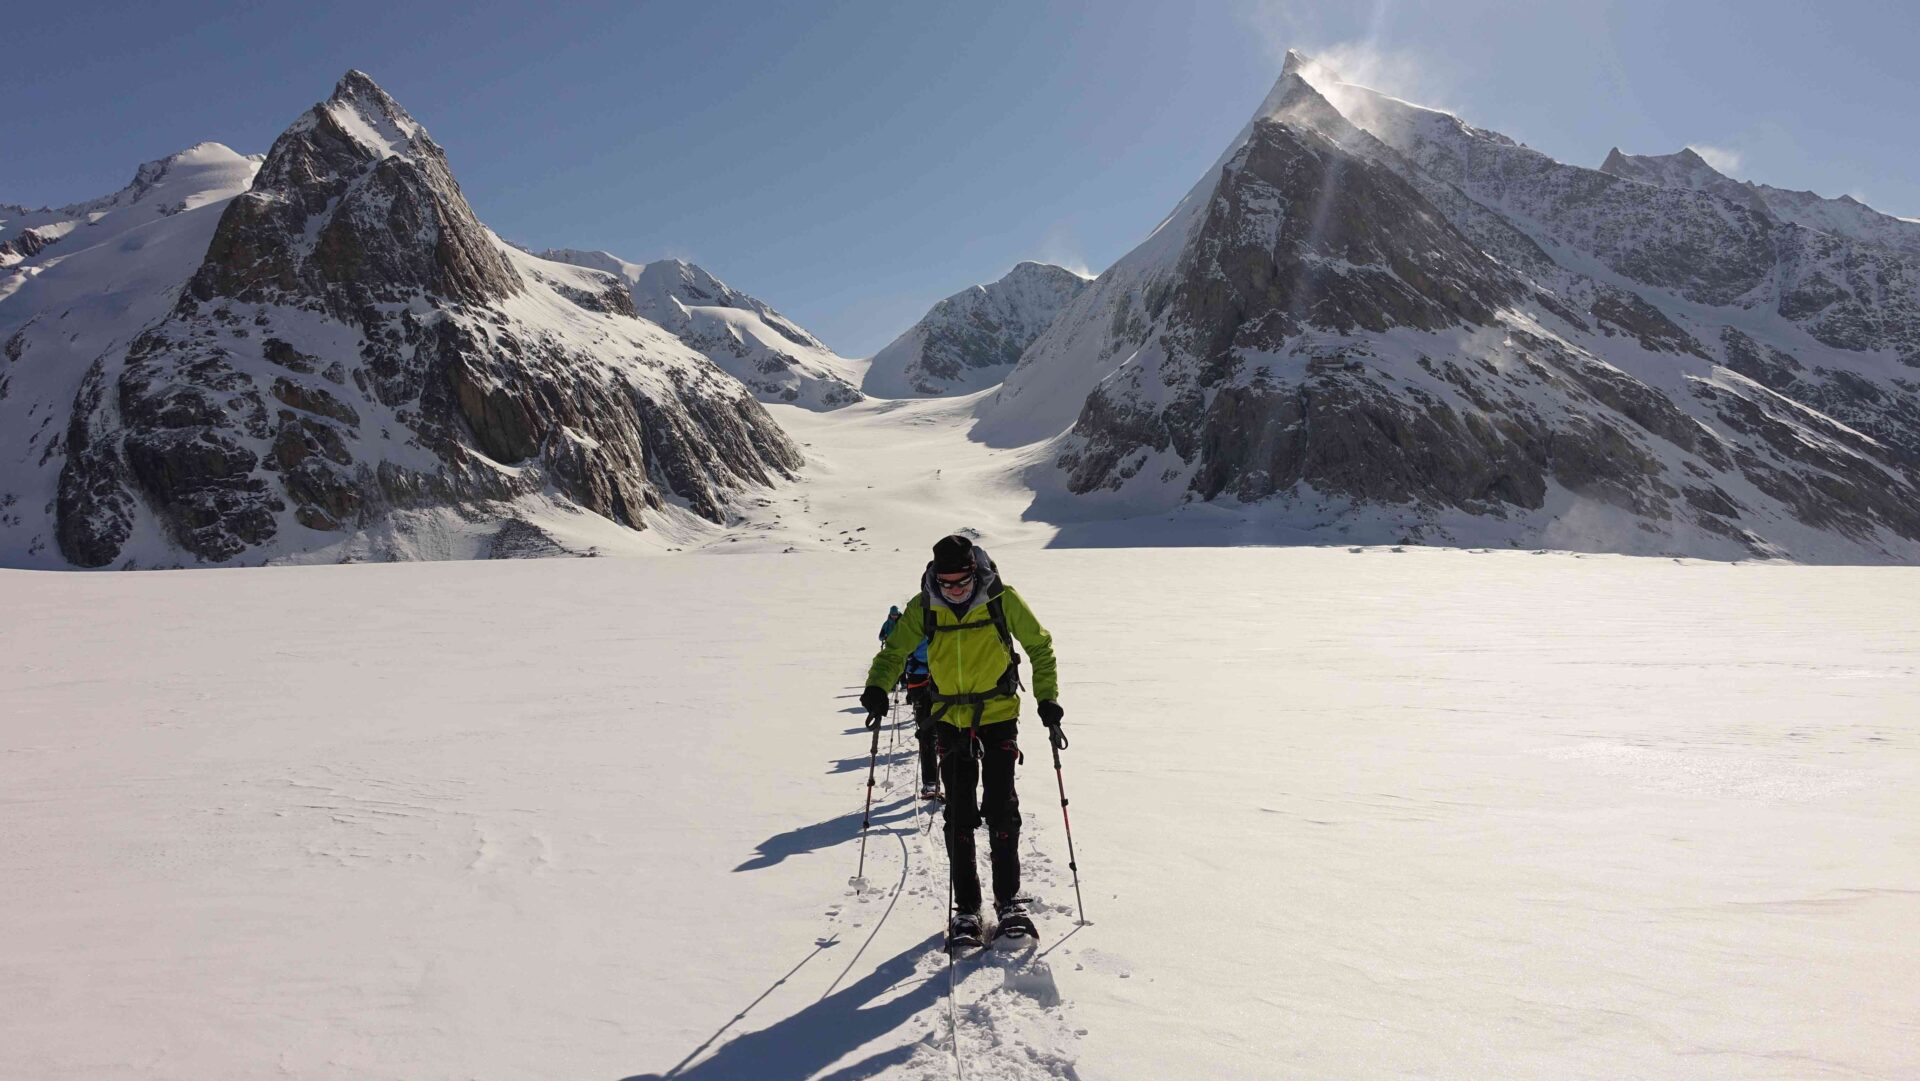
(1356,814)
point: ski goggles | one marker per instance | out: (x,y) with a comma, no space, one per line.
(954,585)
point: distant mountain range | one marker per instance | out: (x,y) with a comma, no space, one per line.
(1368,322)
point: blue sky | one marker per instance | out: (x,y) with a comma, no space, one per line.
(853,163)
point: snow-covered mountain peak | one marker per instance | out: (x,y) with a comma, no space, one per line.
(185,170)
(1843,216)
(1029,268)
(355,200)
(972,339)
(776,358)
(678,281)
(371,117)
(347,360)
(358,126)
(1687,170)
(595,259)
(1299,63)
(202,173)
(1685,164)
(1374,319)
(1394,121)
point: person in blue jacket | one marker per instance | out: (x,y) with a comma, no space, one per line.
(919,685)
(920,696)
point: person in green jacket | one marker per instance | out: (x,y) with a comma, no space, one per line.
(971,620)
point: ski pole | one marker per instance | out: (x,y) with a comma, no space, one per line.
(873,756)
(1058,739)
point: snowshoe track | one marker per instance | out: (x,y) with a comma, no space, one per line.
(1012,1020)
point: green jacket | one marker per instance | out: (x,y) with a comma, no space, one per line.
(970,661)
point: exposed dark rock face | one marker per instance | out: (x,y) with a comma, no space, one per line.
(1302,235)
(971,338)
(964,336)
(387,221)
(96,506)
(1842,217)
(1616,310)
(1423,327)
(356,343)
(1851,296)
(1888,412)
(520,539)
(29,243)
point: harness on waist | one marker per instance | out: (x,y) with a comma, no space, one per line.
(1009,682)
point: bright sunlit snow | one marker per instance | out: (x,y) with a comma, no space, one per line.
(1339,814)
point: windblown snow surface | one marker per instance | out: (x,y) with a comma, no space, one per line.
(1363,813)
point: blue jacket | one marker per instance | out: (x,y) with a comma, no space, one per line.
(917,661)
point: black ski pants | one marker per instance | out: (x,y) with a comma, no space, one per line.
(998,806)
(923,725)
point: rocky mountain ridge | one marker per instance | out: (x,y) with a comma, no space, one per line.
(1373,322)
(777,359)
(972,339)
(355,365)
(1844,217)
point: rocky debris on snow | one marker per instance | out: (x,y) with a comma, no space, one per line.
(518,538)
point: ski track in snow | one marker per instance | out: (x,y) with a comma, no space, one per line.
(1012,1020)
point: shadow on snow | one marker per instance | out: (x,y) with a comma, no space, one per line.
(810,1040)
(826,834)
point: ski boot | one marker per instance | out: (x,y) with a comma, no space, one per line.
(1012,927)
(963,932)
(931,792)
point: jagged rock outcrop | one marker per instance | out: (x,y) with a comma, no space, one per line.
(355,345)
(777,359)
(26,244)
(1690,235)
(973,338)
(1842,217)
(1373,322)
(66,318)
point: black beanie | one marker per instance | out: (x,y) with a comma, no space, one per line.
(952,555)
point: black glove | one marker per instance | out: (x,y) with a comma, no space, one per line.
(875,702)
(1050,714)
